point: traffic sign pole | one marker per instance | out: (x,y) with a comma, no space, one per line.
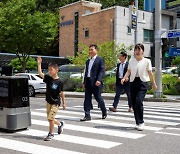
(158,50)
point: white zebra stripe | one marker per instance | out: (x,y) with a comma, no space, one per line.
(31,147)
(73,139)
(94,130)
(166,133)
(95,115)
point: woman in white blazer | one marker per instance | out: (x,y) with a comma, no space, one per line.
(140,72)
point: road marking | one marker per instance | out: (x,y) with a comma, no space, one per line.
(114,116)
(172,128)
(100,122)
(165,133)
(130,114)
(32,148)
(101,131)
(152,108)
(73,139)
(118,124)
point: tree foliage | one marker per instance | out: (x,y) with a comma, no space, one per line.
(23,29)
(31,64)
(176,62)
(125,3)
(108,50)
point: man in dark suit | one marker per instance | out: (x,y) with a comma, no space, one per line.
(121,71)
(92,82)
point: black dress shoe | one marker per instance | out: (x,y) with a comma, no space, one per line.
(104,115)
(86,119)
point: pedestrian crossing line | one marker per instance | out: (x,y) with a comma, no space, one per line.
(145,105)
(31,148)
(106,123)
(161,108)
(164,108)
(149,112)
(117,124)
(73,139)
(93,130)
(114,115)
(156,113)
(130,114)
(166,133)
(154,110)
(172,128)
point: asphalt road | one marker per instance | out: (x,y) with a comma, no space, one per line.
(114,135)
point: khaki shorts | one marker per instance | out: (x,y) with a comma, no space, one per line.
(51,111)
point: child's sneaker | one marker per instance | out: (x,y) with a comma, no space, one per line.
(49,137)
(60,127)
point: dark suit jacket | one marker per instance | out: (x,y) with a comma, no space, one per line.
(117,72)
(97,71)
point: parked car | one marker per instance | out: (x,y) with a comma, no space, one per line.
(77,75)
(36,84)
(111,72)
(66,71)
(170,70)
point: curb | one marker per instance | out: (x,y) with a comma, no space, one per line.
(125,98)
(150,99)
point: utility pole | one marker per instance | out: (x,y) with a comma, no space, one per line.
(136,29)
(158,50)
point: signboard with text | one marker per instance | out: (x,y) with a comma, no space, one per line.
(173,34)
(132,17)
(174,52)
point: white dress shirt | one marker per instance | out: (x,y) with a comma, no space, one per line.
(140,69)
(91,62)
(121,69)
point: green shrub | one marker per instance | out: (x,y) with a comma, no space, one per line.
(170,85)
(30,65)
(109,84)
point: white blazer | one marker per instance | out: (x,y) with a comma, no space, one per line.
(141,68)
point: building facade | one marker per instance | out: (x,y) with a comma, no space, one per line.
(149,5)
(85,23)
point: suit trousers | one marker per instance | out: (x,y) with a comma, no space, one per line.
(119,90)
(138,91)
(96,91)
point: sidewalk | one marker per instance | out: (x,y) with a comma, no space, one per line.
(110,96)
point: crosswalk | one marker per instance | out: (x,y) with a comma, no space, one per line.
(97,133)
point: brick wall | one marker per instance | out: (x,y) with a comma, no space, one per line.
(99,24)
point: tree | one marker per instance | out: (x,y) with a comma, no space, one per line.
(125,3)
(176,62)
(108,50)
(23,29)
(31,64)
(52,5)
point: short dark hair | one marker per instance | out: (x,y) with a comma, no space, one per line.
(124,54)
(54,65)
(139,46)
(94,45)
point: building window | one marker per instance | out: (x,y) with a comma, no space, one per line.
(128,30)
(124,12)
(86,33)
(148,35)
